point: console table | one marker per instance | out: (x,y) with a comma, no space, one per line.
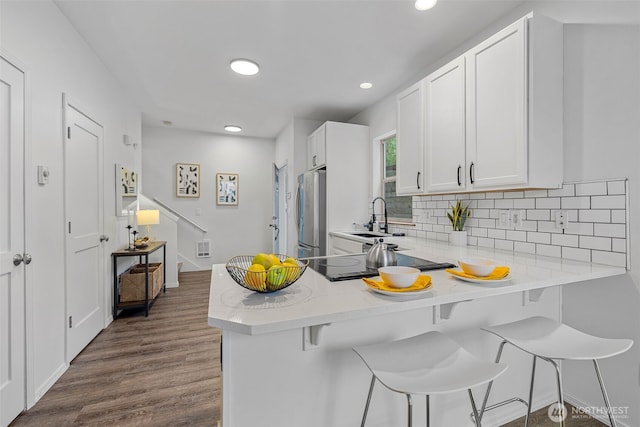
(141,253)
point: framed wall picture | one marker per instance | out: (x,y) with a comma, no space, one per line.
(227,189)
(128,181)
(187,180)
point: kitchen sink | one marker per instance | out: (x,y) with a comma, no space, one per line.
(367,235)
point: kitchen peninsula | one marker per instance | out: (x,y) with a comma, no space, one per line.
(287,358)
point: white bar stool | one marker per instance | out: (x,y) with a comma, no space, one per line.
(550,341)
(430,363)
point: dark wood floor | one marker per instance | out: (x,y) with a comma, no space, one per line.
(162,370)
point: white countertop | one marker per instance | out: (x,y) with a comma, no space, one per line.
(313,300)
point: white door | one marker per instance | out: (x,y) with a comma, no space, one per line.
(496,109)
(84,261)
(410,140)
(12,276)
(445,166)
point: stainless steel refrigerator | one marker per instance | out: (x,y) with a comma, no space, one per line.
(311,214)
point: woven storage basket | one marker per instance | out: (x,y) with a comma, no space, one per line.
(132,282)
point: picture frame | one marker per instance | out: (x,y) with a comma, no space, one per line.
(187,180)
(227,189)
(128,182)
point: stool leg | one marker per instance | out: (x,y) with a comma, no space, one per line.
(428,411)
(604,394)
(533,376)
(410,410)
(366,407)
(476,416)
(486,394)
(559,382)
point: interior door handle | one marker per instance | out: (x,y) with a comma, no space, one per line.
(17,259)
(27,258)
(104,238)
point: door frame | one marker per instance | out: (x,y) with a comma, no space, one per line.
(282,172)
(71,102)
(29,217)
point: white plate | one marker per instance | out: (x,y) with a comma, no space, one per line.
(401,294)
(507,278)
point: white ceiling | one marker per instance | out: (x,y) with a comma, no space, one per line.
(173,56)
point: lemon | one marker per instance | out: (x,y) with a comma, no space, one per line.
(292,267)
(255,277)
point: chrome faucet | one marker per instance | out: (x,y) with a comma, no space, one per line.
(385,227)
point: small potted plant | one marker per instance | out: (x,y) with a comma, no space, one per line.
(458,217)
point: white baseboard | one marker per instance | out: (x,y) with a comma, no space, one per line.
(172,285)
(44,387)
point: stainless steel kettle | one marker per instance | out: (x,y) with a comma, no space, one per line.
(380,255)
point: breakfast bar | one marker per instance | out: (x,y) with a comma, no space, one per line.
(287,358)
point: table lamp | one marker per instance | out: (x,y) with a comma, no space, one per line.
(148,217)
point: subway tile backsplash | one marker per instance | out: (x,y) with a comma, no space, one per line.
(596,231)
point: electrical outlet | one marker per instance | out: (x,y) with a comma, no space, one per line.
(562,220)
(503,219)
(517,216)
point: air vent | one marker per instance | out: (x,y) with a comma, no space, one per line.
(203,248)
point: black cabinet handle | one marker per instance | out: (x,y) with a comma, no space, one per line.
(471,173)
(459,170)
(418,180)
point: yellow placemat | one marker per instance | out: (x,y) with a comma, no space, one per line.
(422,282)
(498,273)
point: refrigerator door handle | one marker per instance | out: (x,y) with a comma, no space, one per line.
(306,245)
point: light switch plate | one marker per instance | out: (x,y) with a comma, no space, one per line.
(43,175)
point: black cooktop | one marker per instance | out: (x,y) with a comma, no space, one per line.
(354,266)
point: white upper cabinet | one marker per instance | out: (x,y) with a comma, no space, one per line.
(492,117)
(496,109)
(445,162)
(317,148)
(410,140)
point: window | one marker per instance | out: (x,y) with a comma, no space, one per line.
(398,207)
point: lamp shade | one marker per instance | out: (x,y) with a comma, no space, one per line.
(148,217)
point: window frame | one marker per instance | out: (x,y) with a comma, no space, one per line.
(382,178)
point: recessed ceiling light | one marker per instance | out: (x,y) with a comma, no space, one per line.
(167,122)
(232,128)
(366,85)
(245,67)
(425,4)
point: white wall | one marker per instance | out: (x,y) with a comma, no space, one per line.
(233,230)
(602,135)
(57,60)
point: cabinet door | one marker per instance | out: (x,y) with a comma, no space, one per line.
(496,109)
(445,166)
(316,148)
(410,140)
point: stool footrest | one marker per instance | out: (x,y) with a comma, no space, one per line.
(498,405)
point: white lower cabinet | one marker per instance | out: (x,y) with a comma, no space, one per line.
(493,116)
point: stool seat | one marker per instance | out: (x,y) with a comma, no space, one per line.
(550,339)
(426,364)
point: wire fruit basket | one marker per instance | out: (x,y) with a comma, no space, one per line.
(268,280)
